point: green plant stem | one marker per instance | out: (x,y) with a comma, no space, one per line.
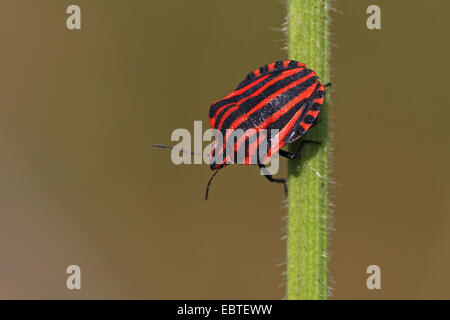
(307,236)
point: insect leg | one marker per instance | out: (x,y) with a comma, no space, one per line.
(272,179)
(316,122)
(291,155)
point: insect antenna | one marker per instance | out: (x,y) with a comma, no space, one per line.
(173,148)
(209,182)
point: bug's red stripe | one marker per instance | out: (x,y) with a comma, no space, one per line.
(279,140)
(319,100)
(306,93)
(305,125)
(247,87)
(212,120)
(242,90)
(287,128)
(286,63)
(288,106)
(244,117)
(271,66)
(283,132)
(313,113)
(253,148)
(284,75)
(303,95)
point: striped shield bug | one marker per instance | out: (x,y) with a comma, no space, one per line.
(284,97)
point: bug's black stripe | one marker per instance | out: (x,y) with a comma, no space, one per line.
(309,104)
(247,105)
(249,91)
(251,138)
(316,106)
(319,93)
(278,66)
(264,145)
(214,107)
(261,96)
(297,130)
(280,123)
(243,149)
(264,69)
(290,94)
(293,64)
(309,119)
(257,117)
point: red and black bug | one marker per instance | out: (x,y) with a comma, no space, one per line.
(285,96)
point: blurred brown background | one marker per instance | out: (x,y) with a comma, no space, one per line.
(80,183)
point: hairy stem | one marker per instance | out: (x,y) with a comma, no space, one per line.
(307,242)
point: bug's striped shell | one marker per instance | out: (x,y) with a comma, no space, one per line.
(283,95)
